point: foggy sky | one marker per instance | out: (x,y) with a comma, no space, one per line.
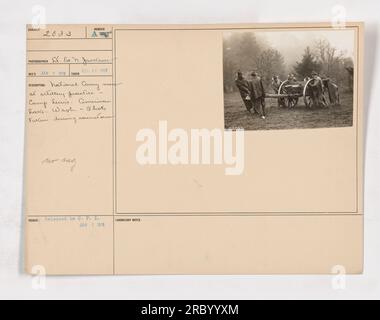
(291,44)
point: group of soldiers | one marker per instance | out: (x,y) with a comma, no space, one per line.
(315,84)
(252,92)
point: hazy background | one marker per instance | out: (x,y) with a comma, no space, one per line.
(329,52)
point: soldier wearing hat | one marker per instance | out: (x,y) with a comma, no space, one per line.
(276,83)
(243,86)
(292,78)
(257,94)
(316,86)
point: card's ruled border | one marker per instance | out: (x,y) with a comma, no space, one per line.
(358,58)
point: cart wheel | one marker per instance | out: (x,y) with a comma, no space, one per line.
(289,102)
(306,94)
(281,90)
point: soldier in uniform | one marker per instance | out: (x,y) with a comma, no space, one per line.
(316,86)
(276,83)
(243,86)
(257,94)
(292,79)
(332,90)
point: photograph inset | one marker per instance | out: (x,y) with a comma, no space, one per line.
(288,79)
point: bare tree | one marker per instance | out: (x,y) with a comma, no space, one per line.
(331,60)
(269,63)
(243,51)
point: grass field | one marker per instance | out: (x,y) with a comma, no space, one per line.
(236,115)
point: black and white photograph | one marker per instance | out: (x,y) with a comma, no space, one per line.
(288,79)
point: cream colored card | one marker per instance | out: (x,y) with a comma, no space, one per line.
(153,150)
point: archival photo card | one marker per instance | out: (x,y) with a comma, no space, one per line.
(291,78)
(130,166)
